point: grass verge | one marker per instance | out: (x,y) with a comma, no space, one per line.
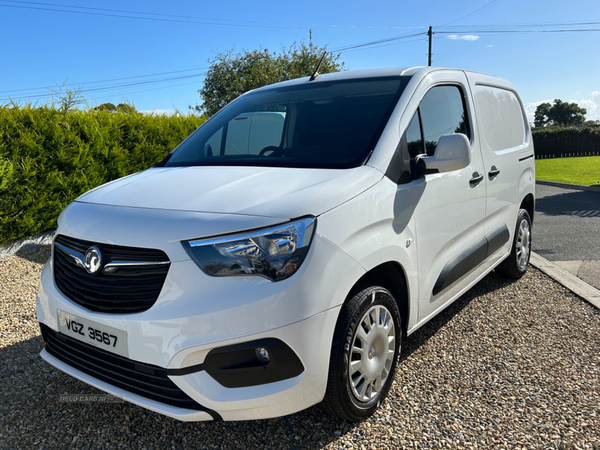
(584,170)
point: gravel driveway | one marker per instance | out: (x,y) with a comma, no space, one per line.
(509,365)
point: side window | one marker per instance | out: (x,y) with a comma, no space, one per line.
(501,117)
(213,145)
(238,132)
(249,133)
(442,112)
(266,131)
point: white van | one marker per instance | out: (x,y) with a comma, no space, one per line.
(280,256)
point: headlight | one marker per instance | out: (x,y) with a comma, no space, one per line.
(275,253)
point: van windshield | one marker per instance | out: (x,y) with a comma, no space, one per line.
(321,124)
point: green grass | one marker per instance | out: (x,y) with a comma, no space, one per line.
(584,170)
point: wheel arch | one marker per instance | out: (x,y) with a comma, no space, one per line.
(390,275)
(528,204)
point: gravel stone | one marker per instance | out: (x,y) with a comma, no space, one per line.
(508,365)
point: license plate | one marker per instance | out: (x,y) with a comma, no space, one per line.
(90,332)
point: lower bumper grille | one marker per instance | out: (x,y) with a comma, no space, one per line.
(145,380)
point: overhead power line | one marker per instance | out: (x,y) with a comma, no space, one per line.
(103,81)
(516,26)
(470,14)
(124,94)
(140,12)
(386,45)
(379,41)
(111,87)
(475,31)
(137,16)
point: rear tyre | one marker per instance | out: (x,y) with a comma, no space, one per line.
(366,345)
(517,263)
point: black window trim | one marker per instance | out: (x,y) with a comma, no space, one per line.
(396,175)
(462,89)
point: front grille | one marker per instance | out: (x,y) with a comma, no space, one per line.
(146,380)
(129,289)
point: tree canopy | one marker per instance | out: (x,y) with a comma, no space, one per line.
(125,108)
(559,113)
(231,74)
(106,107)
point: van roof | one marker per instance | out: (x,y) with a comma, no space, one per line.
(421,71)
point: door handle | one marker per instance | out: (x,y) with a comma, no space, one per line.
(476,179)
(493,173)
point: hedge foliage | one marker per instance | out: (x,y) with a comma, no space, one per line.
(49,157)
(565,132)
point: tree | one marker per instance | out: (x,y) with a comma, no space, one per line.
(66,100)
(126,108)
(106,107)
(231,74)
(542,114)
(559,113)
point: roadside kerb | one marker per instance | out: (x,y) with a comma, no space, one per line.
(568,185)
(568,280)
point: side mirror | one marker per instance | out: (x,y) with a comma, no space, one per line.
(453,152)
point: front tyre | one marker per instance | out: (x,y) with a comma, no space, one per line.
(366,345)
(517,263)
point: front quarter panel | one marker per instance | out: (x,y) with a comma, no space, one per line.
(378,227)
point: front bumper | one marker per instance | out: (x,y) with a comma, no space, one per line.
(196,313)
(245,403)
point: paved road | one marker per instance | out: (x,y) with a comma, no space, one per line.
(569,240)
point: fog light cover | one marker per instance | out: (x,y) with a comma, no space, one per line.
(275,253)
(243,365)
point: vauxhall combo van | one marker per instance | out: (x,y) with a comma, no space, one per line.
(279,257)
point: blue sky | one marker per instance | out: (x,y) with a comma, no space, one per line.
(41,48)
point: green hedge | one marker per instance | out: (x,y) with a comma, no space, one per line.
(48,158)
(565,132)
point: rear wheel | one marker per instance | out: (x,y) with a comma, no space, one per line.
(366,345)
(517,263)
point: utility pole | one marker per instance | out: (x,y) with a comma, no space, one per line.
(430,34)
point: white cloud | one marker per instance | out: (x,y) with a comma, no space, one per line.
(489,46)
(464,37)
(159,112)
(592,105)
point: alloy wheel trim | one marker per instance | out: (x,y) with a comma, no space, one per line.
(372,352)
(523,244)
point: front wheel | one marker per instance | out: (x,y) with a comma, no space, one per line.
(366,345)
(517,263)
